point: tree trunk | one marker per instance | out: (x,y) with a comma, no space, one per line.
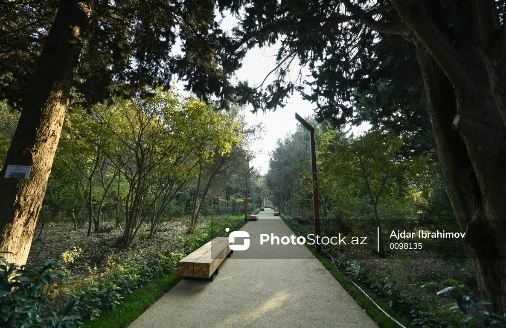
(461,88)
(473,168)
(381,250)
(74,220)
(36,138)
(89,196)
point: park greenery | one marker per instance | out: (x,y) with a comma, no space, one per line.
(122,162)
(125,172)
(365,183)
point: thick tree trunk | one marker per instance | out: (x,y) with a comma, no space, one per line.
(473,163)
(473,158)
(38,131)
(484,134)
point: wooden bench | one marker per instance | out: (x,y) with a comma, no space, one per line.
(204,262)
(253,217)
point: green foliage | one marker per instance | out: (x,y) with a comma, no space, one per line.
(129,159)
(211,229)
(471,308)
(102,296)
(288,177)
(409,303)
(346,270)
(363,182)
(99,297)
(8,123)
(24,296)
(128,43)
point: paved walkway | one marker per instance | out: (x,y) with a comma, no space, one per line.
(264,286)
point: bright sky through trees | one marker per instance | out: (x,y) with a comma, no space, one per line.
(256,66)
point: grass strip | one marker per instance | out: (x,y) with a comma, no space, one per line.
(379,317)
(134,304)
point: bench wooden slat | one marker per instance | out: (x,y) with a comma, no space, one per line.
(205,266)
(204,261)
(185,266)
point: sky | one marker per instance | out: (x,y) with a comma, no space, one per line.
(278,124)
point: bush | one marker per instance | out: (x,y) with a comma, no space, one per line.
(99,297)
(470,307)
(24,295)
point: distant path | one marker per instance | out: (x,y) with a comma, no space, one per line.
(265,286)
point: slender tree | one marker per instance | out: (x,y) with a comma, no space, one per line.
(373,160)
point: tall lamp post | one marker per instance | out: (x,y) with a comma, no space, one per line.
(316,203)
(246,198)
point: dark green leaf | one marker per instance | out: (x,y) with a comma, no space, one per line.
(468,318)
(22,278)
(463,301)
(496,318)
(68,308)
(481,302)
(46,279)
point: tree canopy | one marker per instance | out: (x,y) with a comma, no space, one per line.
(126,46)
(90,51)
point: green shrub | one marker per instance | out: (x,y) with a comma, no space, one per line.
(470,308)
(24,296)
(99,297)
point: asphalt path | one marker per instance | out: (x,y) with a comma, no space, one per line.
(267,285)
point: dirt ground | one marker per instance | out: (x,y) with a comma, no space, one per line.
(97,254)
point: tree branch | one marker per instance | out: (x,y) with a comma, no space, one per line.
(381,27)
(413,13)
(292,54)
(335,20)
(485,21)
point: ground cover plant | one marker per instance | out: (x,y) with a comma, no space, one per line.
(420,288)
(91,276)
